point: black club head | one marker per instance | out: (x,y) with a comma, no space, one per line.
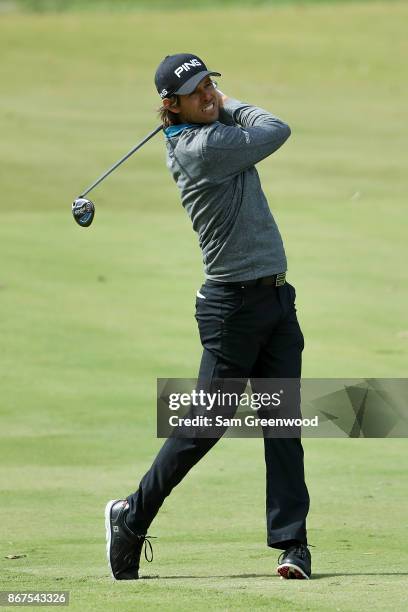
(83,211)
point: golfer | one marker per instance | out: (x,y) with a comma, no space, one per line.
(245,310)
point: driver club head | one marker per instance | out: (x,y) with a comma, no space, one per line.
(83,211)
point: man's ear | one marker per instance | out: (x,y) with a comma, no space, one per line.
(171,105)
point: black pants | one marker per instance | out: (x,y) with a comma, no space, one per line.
(246,333)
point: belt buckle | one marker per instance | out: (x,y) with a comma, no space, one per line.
(280,279)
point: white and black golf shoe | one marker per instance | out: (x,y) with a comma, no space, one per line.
(295,562)
(123,547)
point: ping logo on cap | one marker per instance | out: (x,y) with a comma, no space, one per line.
(186,66)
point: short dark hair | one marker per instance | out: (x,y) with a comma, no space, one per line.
(166,116)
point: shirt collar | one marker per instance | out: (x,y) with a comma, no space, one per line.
(175,130)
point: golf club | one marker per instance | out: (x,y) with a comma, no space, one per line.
(83,210)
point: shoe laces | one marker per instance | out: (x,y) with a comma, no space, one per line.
(147,546)
(300,550)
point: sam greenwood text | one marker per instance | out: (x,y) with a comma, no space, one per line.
(248,421)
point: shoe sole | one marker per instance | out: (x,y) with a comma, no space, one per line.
(108,528)
(290,571)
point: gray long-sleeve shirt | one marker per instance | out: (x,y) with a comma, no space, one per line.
(214,168)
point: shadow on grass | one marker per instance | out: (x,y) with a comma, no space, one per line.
(314,577)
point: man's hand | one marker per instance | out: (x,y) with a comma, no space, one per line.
(223,117)
(221,98)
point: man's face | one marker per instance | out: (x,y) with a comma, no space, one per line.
(201,106)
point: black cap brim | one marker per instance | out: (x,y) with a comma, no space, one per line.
(190,85)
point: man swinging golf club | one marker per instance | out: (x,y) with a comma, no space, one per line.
(245,310)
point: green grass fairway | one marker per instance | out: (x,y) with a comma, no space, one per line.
(90,318)
(62,6)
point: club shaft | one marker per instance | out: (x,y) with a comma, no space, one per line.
(124,158)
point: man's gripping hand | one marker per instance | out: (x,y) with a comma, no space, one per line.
(221,98)
(224,117)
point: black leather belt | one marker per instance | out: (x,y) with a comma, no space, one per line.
(276,280)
